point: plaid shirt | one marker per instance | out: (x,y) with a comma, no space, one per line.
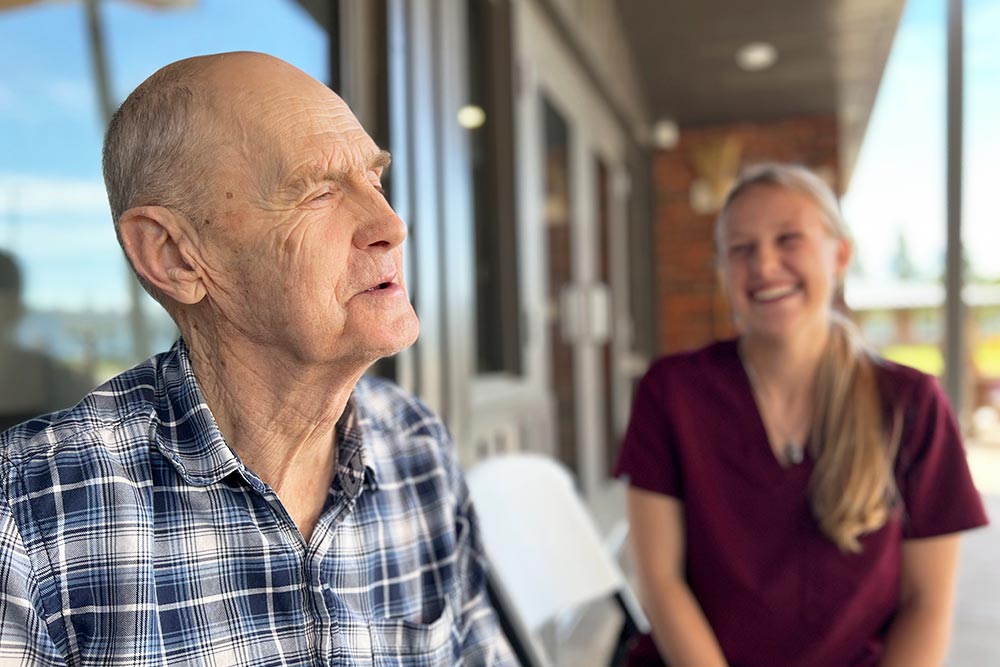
(131,534)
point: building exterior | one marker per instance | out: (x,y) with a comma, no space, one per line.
(557,248)
(560,235)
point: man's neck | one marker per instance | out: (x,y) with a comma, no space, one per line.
(278,414)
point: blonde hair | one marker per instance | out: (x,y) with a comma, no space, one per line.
(853,489)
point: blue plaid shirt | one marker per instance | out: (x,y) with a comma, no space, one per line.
(131,534)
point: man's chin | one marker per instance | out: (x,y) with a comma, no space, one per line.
(409,333)
(397,337)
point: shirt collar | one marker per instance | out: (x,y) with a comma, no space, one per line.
(354,443)
(188,435)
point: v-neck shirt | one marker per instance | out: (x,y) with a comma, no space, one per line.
(775,590)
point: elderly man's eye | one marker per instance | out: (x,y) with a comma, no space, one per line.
(375,178)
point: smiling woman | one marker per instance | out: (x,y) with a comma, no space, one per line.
(801,481)
(77,308)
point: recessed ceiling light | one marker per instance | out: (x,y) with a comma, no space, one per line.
(471,116)
(665,133)
(756,56)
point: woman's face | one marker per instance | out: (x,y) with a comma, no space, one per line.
(780,263)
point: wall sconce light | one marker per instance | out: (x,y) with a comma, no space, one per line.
(665,134)
(471,117)
(716,165)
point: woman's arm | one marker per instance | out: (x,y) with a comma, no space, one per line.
(680,629)
(919,634)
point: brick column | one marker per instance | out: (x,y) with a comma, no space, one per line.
(692,310)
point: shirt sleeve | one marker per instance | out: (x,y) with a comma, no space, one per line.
(648,458)
(938,493)
(24,639)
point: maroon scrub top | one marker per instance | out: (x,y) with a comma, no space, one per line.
(774,589)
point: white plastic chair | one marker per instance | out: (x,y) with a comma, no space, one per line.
(546,555)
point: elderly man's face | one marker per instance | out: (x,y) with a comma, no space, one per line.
(305,255)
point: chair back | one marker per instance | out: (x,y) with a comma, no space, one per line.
(546,555)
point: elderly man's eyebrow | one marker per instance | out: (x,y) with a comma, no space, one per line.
(314,175)
(381,160)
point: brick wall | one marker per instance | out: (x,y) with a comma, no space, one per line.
(692,310)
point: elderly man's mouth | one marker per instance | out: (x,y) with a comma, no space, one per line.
(385,286)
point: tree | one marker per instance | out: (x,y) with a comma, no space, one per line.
(902,264)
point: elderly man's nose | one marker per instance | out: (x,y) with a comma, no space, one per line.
(380,228)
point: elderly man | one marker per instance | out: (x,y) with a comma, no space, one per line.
(246,498)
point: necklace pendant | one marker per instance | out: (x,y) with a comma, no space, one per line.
(794,453)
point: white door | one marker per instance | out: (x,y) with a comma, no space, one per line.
(573,191)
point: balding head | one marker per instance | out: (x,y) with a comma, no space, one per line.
(281,238)
(159,146)
(165,143)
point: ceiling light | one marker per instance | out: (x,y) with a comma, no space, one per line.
(665,134)
(471,117)
(756,56)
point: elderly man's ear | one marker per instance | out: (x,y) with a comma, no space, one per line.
(158,241)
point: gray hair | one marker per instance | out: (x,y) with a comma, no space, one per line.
(158,147)
(792,177)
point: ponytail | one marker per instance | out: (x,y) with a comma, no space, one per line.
(852,490)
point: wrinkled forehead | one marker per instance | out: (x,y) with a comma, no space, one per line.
(285,129)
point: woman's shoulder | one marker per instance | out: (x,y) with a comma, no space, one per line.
(685,380)
(902,384)
(719,356)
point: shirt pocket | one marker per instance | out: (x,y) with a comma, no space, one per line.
(398,642)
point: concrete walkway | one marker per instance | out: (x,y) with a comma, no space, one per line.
(976,638)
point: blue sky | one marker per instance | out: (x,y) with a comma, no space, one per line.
(899,180)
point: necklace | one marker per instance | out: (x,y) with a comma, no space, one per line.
(792,451)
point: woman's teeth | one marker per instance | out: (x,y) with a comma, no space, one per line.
(773,293)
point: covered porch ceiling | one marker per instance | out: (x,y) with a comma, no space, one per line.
(831,55)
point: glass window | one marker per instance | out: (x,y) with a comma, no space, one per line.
(69,319)
(560,311)
(489,120)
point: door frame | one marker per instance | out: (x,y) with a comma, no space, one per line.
(546,70)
